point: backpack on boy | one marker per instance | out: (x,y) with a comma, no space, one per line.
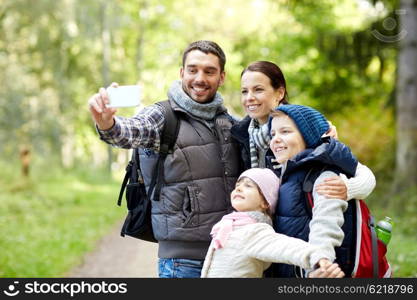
(138,222)
(361,254)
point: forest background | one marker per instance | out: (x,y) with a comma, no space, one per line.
(354,60)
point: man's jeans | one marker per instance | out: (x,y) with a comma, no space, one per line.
(179,268)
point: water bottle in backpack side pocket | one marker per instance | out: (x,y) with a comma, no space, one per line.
(384,230)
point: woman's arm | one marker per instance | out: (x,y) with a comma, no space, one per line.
(358,187)
(362,185)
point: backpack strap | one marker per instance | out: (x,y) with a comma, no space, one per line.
(308,185)
(375,265)
(125,180)
(168,139)
(132,172)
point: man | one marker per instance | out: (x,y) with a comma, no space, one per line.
(202,170)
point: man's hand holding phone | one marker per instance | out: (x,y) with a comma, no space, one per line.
(103,104)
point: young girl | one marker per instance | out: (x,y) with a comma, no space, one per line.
(244,243)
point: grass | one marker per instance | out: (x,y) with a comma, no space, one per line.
(48,222)
(402,255)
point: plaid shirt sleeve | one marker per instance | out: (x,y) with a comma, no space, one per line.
(143,130)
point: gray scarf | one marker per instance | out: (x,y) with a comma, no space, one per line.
(259,138)
(205,111)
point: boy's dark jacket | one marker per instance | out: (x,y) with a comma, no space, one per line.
(292,216)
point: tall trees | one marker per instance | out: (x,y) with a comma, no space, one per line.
(52,55)
(406,155)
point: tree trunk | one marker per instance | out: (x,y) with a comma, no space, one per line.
(143,5)
(106,45)
(406,154)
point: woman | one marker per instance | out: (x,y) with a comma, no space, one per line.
(263,87)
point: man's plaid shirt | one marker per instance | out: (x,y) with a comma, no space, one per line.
(143,130)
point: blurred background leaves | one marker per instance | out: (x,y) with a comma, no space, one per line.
(55,54)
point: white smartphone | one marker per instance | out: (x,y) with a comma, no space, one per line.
(124,96)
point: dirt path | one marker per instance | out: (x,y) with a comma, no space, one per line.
(116,256)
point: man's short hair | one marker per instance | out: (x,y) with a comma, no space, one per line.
(206,47)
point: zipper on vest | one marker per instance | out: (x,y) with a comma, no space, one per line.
(215,133)
(222,158)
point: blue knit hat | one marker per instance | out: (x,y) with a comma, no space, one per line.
(311,123)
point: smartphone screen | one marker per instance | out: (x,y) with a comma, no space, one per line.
(124,96)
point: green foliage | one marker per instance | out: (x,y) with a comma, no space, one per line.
(369,132)
(325,48)
(52,59)
(50,220)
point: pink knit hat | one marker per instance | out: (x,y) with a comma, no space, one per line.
(267,182)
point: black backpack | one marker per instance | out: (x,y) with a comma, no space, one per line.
(138,223)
